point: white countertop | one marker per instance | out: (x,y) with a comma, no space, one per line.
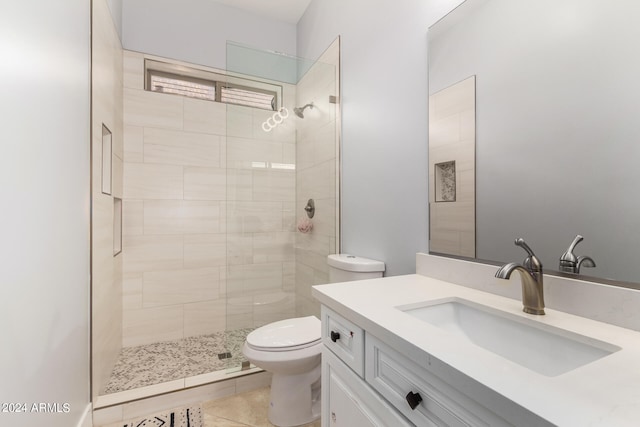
(605,392)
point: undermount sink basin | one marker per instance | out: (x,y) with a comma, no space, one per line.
(544,349)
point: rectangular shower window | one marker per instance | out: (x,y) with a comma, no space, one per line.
(193,83)
(238,95)
(181,85)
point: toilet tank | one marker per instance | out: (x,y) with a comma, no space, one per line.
(345,268)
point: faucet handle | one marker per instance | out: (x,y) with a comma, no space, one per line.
(520,242)
(569,256)
(531,263)
(570,263)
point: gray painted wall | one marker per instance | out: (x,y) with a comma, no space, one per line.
(384,120)
(196,31)
(44,183)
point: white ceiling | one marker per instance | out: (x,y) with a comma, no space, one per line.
(284,10)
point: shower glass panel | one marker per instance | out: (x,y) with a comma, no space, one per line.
(275,162)
(215,237)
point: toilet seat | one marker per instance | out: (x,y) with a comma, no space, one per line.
(291,350)
(286,335)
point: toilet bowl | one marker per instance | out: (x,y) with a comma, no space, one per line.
(290,349)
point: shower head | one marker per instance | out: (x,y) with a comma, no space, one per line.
(299,110)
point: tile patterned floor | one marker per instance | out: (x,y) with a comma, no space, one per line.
(247,409)
(166,361)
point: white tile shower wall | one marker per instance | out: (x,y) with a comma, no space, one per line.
(316,177)
(106,269)
(208,213)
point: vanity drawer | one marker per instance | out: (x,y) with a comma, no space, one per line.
(344,339)
(395,377)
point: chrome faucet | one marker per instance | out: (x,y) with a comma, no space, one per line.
(569,263)
(531,276)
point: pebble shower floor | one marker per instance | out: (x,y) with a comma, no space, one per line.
(171,360)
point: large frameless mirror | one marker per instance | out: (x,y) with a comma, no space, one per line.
(556,143)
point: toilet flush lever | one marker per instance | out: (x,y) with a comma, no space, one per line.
(335,336)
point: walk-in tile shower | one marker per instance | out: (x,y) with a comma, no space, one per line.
(213,193)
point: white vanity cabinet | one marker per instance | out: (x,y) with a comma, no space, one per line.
(347,401)
(367,382)
(428,375)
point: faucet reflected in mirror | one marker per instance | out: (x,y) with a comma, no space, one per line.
(531,275)
(569,263)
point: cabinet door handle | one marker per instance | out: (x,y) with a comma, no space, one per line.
(335,336)
(414,399)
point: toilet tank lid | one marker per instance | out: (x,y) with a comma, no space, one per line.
(354,263)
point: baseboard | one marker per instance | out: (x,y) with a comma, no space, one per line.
(86,420)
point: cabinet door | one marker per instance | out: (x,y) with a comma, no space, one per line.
(344,408)
(348,402)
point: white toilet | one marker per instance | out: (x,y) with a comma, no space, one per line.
(290,349)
